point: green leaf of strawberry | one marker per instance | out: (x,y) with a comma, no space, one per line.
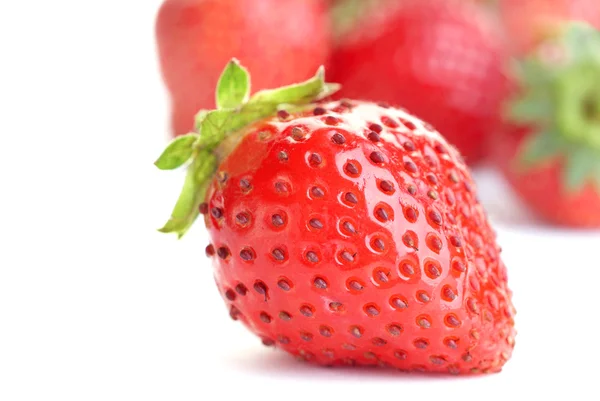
(177,153)
(581,166)
(303,93)
(531,108)
(194,189)
(214,127)
(233,88)
(538,149)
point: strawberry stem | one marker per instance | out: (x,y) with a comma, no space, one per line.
(203,150)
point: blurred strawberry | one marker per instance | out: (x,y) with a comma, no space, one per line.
(282,41)
(526,21)
(551,154)
(440,59)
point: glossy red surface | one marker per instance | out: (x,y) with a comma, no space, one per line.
(392,262)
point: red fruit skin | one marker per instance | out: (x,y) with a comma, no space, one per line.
(279,41)
(442,60)
(446,319)
(542,187)
(526,21)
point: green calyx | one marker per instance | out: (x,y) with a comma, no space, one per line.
(560,98)
(235,111)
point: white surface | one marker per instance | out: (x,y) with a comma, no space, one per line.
(96,305)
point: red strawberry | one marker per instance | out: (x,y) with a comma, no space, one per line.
(527,21)
(345,232)
(441,59)
(551,154)
(283,41)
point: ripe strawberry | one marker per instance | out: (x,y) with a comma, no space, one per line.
(441,59)
(283,41)
(551,154)
(345,232)
(527,21)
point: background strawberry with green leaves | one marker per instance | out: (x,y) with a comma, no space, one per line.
(551,154)
(344,232)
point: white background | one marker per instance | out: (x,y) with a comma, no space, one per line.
(96,305)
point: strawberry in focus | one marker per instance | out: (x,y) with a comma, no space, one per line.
(550,153)
(282,41)
(441,59)
(344,232)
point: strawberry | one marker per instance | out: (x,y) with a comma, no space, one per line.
(527,21)
(197,37)
(551,152)
(344,232)
(441,59)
